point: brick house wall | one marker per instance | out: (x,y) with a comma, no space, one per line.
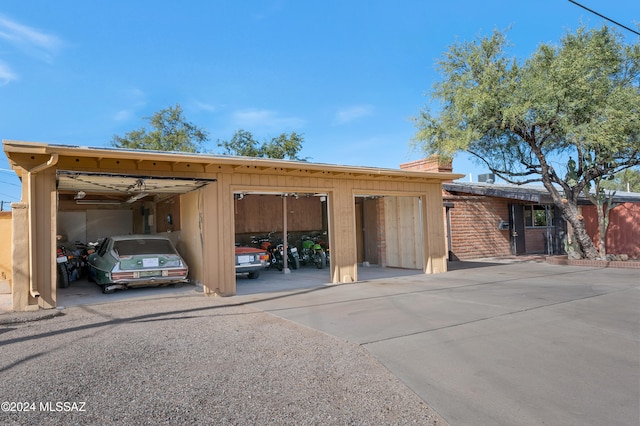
(474,220)
(433,163)
(474,226)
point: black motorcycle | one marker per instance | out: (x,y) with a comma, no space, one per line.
(293,259)
(276,251)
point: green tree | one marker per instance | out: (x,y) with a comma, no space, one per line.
(170,131)
(627,180)
(282,147)
(242,143)
(523,120)
(601,199)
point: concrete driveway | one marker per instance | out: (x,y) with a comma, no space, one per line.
(494,344)
(83,292)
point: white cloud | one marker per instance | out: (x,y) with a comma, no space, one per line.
(203,106)
(252,119)
(134,99)
(123,115)
(30,40)
(134,94)
(6,74)
(352,113)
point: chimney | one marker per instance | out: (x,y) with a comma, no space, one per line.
(433,163)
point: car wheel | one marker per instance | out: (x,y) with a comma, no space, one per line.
(254,274)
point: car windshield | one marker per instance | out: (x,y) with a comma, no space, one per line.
(142,247)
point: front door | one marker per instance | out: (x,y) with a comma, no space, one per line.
(516,226)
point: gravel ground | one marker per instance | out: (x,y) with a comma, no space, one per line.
(191,360)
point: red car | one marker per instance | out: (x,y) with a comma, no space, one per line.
(251,260)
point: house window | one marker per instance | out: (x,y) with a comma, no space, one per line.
(538,215)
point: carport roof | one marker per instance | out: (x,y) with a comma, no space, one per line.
(18,153)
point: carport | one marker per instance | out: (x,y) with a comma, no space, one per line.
(94,205)
(192,198)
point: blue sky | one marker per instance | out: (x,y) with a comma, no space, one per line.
(348,75)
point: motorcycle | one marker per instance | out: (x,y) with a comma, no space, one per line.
(264,242)
(276,252)
(312,252)
(62,268)
(320,239)
(293,258)
(69,266)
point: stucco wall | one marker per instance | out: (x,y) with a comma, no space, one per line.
(623,236)
(5,243)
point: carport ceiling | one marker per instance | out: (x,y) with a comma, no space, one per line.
(125,185)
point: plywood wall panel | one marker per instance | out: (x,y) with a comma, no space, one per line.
(191,242)
(342,236)
(261,214)
(435,247)
(219,238)
(403,232)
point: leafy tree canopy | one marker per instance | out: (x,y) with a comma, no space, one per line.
(170,131)
(242,143)
(526,121)
(627,180)
(282,147)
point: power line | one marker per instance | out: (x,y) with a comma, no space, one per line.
(6,205)
(604,17)
(10,183)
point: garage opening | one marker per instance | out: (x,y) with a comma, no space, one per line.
(95,206)
(261,222)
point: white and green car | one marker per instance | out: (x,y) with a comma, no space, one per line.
(135,261)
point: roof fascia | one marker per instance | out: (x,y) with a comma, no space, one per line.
(11,146)
(522,194)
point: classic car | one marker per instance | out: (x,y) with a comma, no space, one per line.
(134,261)
(251,260)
